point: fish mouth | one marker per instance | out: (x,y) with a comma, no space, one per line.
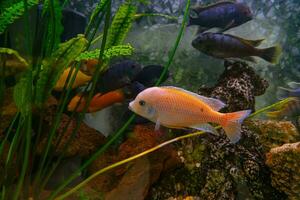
(130,106)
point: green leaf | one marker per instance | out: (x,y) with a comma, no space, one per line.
(11,52)
(121,24)
(22,93)
(14,63)
(52,12)
(15,11)
(99,8)
(53,67)
(115,51)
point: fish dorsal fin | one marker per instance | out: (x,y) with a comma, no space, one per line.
(209,6)
(215,104)
(253,43)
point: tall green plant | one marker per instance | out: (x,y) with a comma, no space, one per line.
(124,127)
(121,24)
(53,67)
(52,13)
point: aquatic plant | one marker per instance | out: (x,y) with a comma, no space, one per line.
(35,85)
(115,51)
(12,12)
(121,24)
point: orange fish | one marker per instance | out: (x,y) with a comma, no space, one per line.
(98,102)
(80,80)
(89,66)
(177,108)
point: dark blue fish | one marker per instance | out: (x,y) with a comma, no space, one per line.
(223,15)
(118,75)
(150,75)
(225,46)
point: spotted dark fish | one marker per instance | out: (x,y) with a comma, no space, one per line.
(223,15)
(225,46)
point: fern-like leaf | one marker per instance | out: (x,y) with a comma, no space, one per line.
(54,66)
(121,24)
(15,11)
(115,51)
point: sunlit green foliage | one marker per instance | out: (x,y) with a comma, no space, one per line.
(121,24)
(115,51)
(53,66)
(10,14)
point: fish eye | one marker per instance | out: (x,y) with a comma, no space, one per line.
(142,102)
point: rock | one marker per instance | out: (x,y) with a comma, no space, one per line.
(85,142)
(135,182)
(150,168)
(284,162)
(237,87)
(273,133)
(221,171)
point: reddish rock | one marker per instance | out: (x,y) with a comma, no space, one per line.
(150,168)
(135,182)
(85,142)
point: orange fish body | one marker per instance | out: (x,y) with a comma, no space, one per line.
(177,108)
(81,79)
(98,102)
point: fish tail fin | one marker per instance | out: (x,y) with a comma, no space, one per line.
(271,54)
(232,125)
(282,93)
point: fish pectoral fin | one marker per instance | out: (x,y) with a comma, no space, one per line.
(228,26)
(294,85)
(206,128)
(157,125)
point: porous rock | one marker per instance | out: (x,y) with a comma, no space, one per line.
(284,162)
(273,133)
(237,87)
